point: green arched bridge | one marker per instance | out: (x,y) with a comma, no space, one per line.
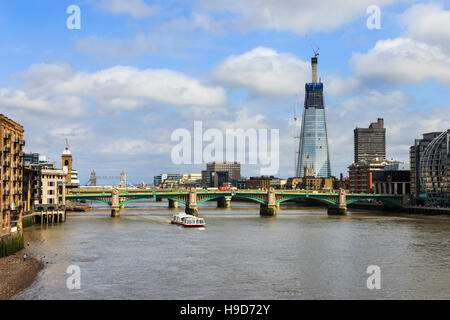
(269,200)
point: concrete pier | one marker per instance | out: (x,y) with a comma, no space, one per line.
(173,204)
(192,208)
(269,209)
(224,202)
(337,211)
(341,209)
(115,208)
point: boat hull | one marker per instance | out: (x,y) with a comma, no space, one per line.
(188,225)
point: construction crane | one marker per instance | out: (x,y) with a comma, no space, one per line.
(295,136)
(314,47)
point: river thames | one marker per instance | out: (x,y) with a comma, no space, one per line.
(300,254)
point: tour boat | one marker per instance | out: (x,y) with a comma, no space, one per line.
(187,220)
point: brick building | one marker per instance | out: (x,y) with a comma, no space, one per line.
(11,173)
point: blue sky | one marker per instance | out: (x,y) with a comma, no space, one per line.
(137,70)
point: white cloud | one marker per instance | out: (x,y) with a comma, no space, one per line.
(337,86)
(420,55)
(132,147)
(138,9)
(59,105)
(100,47)
(428,23)
(57,89)
(197,20)
(264,72)
(403,60)
(300,16)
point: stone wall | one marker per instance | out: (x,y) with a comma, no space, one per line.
(11,244)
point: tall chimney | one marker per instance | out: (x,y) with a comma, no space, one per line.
(314,69)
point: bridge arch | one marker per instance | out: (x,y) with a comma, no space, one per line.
(327,201)
(250,198)
(211,198)
(101,201)
(143,198)
(397,203)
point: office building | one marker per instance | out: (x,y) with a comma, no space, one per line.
(393,179)
(219,174)
(370,143)
(418,194)
(434,170)
(313,145)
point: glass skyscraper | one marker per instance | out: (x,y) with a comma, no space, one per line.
(313,149)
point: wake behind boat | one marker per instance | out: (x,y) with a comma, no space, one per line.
(187,220)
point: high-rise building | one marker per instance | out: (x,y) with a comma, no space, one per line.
(219,173)
(123,179)
(11,175)
(434,170)
(415,154)
(370,143)
(313,145)
(93,178)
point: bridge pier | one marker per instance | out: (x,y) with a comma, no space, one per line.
(173,204)
(224,202)
(115,208)
(192,208)
(341,209)
(336,211)
(269,209)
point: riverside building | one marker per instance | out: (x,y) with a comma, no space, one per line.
(11,163)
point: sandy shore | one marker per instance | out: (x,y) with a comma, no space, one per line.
(16,274)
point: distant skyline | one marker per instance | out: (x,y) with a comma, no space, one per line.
(137,70)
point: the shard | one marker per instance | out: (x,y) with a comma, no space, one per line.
(313,152)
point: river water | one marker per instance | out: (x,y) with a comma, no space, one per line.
(300,254)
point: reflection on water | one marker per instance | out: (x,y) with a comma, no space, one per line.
(300,254)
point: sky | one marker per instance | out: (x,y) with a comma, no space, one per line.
(136,71)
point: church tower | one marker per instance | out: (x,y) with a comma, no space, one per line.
(67,164)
